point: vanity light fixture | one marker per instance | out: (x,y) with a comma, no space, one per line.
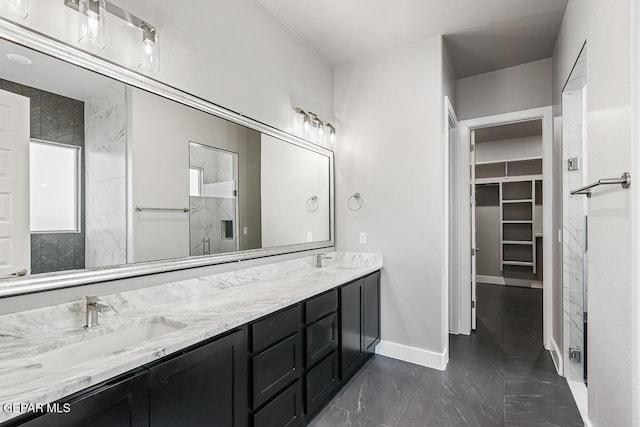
(15,8)
(313,128)
(92,28)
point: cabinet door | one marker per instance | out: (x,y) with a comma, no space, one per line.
(204,387)
(123,402)
(351,326)
(322,338)
(371,309)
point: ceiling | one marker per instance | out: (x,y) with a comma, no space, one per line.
(481,35)
(49,74)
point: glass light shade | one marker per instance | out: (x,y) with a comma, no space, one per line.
(91,29)
(149,49)
(15,8)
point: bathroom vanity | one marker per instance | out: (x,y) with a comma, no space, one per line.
(264,346)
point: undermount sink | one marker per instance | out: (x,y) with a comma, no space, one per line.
(94,345)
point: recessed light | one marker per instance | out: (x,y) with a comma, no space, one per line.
(19,59)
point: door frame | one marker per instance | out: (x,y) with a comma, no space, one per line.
(449,116)
(466,126)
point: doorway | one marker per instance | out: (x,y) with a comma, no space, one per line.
(515,186)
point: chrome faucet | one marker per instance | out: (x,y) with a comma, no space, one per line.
(93,308)
(319,258)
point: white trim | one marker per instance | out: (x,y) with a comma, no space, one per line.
(418,356)
(556,355)
(546,115)
(581,397)
(508,281)
(449,114)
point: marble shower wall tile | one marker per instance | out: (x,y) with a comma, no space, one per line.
(106,142)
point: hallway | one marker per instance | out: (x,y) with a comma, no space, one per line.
(500,375)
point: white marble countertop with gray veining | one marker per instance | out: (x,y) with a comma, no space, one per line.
(198,308)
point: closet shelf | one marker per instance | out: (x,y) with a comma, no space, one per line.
(518,201)
(517,242)
(518,221)
(518,263)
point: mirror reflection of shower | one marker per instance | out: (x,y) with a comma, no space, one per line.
(213,200)
(575,221)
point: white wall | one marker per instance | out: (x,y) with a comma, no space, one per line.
(510,89)
(290,175)
(390,112)
(607,27)
(233,53)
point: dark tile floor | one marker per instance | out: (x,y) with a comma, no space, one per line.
(499,376)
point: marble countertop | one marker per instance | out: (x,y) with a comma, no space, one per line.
(198,308)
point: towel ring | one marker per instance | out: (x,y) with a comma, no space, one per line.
(358,202)
(311,201)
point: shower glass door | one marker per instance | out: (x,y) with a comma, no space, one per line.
(213,200)
(575,222)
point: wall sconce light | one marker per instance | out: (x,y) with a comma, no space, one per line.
(15,8)
(310,126)
(92,28)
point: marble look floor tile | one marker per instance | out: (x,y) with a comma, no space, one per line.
(457,398)
(529,403)
(375,396)
(499,375)
(333,416)
(403,371)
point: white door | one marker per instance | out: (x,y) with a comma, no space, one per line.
(474,248)
(15,252)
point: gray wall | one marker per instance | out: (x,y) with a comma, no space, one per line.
(510,89)
(58,119)
(390,113)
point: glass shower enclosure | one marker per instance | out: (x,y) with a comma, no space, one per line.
(575,222)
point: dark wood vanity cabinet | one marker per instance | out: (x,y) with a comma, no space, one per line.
(360,322)
(202,387)
(277,371)
(119,402)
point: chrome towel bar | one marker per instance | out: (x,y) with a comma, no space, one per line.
(141,209)
(625,181)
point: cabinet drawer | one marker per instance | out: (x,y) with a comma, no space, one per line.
(284,410)
(321,381)
(322,305)
(322,338)
(274,328)
(276,368)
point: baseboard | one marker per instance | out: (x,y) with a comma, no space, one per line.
(506,281)
(413,355)
(557,356)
